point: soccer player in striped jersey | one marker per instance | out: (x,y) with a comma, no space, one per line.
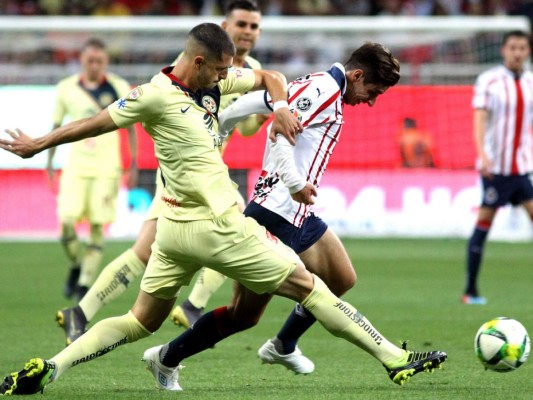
(242,24)
(282,203)
(89,184)
(200,224)
(503,113)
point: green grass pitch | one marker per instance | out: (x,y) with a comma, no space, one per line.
(409,289)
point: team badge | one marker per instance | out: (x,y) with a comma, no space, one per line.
(209,104)
(303,103)
(105,99)
(135,94)
(491,195)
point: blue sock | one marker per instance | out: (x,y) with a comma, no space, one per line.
(299,321)
(474,256)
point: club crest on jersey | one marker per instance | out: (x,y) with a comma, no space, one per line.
(105,99)
(209,104)
(135,94)
(304,103)
(491,195)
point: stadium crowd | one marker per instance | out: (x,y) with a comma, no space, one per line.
(268,7)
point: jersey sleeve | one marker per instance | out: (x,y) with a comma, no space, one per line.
(142,104)
(239,80)
(481,98)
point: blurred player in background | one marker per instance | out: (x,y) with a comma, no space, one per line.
(503,113)
(242,25)
(282,203)
(89,183)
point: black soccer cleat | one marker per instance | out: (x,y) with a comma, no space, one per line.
(73,322)
(31,379)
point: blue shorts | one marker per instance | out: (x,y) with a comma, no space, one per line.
(299,239)
(501,190)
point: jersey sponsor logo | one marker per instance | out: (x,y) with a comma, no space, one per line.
(134,94)
(264,184)
(121,103)
(271,237)
(170,201)
(209,104)
(303,103)
(319,92)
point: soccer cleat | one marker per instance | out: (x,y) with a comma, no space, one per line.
(414,362)
(185,314)
(32,379)
(73,322)
(72,281)
(166,378)
(294,361)
(475,300)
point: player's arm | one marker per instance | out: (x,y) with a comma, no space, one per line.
(242,108)
(26,146)
(480,128)
(282,154)
(276,85)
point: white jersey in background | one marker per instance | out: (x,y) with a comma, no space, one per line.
(509,102)
(317,100)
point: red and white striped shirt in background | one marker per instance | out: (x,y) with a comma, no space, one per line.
(509,101)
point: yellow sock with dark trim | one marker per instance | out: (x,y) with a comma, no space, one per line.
(207,283)
(102,338)
(343,320)
(112,282)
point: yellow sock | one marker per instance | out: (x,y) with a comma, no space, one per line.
(70,242)
(93,256)
(343,320)
(208,282)
(112,282)
(103,337)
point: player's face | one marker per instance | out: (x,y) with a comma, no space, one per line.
(94,63)
(212,72)
(242,27)
(515,52)
(357,91)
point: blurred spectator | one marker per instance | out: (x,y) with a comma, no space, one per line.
(415,146)
(110,8)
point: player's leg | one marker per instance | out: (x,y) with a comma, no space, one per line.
(102,206)
(207,283)
(70,208)
(341,319)
(110,284)
(328,259)
(188,312)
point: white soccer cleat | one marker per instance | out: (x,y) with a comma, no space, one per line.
(294,361)
(166,378)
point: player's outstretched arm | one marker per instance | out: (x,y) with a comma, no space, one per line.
(25,146)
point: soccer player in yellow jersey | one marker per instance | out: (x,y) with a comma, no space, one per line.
(200,224)
(90,180)
(242,23)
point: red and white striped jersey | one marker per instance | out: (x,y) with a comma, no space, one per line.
(509,102)
(317,101)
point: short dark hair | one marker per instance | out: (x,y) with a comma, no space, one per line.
(213,39)
(377,62)
(516,33)
(242,5)
(94,42)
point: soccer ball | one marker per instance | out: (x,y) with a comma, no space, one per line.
(502,344)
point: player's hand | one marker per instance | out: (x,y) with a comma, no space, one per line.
(21,144)
(286,124)
(306,195)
